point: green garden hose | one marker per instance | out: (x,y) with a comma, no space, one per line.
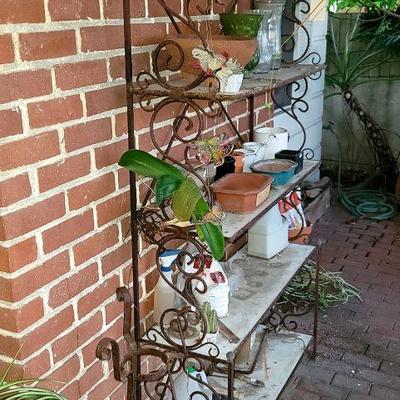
(366,203)
(361,202)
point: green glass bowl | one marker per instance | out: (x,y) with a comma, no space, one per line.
(244,25)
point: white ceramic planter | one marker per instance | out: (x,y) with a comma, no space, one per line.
(233,84)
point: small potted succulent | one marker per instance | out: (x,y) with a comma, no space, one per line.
(211,321)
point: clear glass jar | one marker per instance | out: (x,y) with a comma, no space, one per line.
(276,7)
(265,48)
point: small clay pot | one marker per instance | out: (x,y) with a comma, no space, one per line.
(305,233)
(239,160)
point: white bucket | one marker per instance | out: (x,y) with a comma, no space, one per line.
(275,139)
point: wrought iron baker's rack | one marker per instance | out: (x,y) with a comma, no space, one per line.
(172,353)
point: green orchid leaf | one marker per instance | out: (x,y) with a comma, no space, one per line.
(145,164)
(214,238)
(210,233)
(184,200)
(200,233)
(166,186)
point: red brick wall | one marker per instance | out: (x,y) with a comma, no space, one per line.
(64,203)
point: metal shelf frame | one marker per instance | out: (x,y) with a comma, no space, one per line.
(173,357)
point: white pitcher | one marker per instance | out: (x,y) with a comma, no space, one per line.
(275,139)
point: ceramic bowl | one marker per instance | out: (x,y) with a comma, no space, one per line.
(246,25)
(281,170)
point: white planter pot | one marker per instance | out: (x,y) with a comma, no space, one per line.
(233,84)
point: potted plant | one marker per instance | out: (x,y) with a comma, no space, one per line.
(21,389)
(212,322)
(227,70)
(187,201)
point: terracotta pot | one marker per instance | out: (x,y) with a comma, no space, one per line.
(239,160)
(242,192)
(305,233)
(239,48)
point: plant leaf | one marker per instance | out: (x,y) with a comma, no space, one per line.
(166,186)
(214,238)
(145,164)
(211,233)
(184,200)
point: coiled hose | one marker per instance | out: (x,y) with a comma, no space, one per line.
(371,204)
(361,202)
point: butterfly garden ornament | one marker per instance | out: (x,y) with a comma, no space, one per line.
(219,65)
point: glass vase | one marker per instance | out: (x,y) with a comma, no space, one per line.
(274,28)
(264,43)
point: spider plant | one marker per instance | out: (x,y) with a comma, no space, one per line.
(21,389)
(349,69)
(382,30)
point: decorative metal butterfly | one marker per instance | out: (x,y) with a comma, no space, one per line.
(213,64)
(216,216)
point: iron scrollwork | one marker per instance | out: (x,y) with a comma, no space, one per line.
(179,339)
(302,7)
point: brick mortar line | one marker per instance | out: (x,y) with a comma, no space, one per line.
(56,252)
(28,66)
(56,26)
(107,114)
(65,125)
(48,346)
(97,173)
(22,103)
(49,256)
(70,302)
(61,95)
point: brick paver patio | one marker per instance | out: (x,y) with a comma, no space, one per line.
(359,344)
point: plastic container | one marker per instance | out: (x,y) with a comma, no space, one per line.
(281,170)
(253,152)
(218,289)
(269,236)
(164,295)
(275,140)
(185,386)
(293,155)
(242,192)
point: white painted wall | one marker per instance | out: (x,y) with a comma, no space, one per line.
(316,25)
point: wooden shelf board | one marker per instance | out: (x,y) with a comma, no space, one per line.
(258,83)
(236,224)
(256,284)
(284,351)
